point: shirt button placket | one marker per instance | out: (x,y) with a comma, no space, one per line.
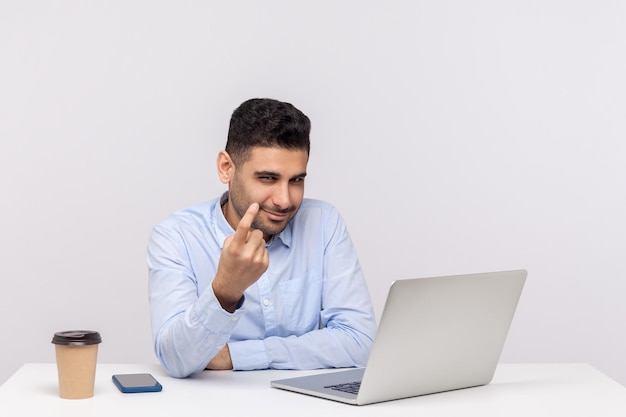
(266,304)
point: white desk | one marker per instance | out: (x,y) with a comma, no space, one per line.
(535,390)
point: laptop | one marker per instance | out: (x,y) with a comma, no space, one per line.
(435,334)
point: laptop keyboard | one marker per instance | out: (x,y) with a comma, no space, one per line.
(349,387)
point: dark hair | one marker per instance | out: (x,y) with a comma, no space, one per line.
(268,123)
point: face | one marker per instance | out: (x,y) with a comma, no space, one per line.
(273,178)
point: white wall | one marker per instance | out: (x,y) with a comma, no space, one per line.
(454,136)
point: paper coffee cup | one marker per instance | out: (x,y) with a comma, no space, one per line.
(76,356)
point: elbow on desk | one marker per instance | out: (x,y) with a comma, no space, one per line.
(178,371)
(175,366)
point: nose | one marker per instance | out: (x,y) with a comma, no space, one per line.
(280,196)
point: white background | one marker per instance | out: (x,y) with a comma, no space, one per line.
(454,137)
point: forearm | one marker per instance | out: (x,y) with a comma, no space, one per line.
(330,347)
(221,361)
(188,341)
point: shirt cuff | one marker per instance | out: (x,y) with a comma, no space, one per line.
(209,314)
(248,355)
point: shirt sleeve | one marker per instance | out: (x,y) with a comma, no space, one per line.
(188,329)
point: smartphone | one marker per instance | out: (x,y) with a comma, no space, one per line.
(136,383)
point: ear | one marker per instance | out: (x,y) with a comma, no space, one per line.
(225,167)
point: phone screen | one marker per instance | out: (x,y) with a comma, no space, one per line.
(136,383)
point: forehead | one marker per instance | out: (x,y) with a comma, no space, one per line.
(278,160)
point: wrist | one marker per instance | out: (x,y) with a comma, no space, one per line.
(229,300)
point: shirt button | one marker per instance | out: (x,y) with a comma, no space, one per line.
(266,302)
(235,318)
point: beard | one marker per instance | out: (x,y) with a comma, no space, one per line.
(241,202)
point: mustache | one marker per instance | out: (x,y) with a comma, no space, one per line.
(278,209)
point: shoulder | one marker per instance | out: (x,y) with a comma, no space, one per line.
(319,221)
(195,216)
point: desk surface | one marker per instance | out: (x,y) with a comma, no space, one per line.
(517,390)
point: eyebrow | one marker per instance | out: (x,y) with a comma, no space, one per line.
(275,174)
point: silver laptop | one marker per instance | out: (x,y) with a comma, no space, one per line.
(435,334)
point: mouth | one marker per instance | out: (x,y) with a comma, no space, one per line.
(276,216)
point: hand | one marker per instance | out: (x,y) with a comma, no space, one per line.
(221,361)
(244,259)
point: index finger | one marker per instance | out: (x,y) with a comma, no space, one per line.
(243,228)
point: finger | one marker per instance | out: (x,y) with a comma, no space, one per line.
(243,228)
(266,257)
(255,241)
(261,253)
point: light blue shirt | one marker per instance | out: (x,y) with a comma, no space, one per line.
(310,309)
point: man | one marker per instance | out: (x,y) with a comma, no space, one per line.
(261,277)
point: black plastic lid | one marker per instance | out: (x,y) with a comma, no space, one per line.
(77,337)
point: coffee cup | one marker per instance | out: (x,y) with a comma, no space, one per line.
(76,357)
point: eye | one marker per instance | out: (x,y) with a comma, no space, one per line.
(298,180)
